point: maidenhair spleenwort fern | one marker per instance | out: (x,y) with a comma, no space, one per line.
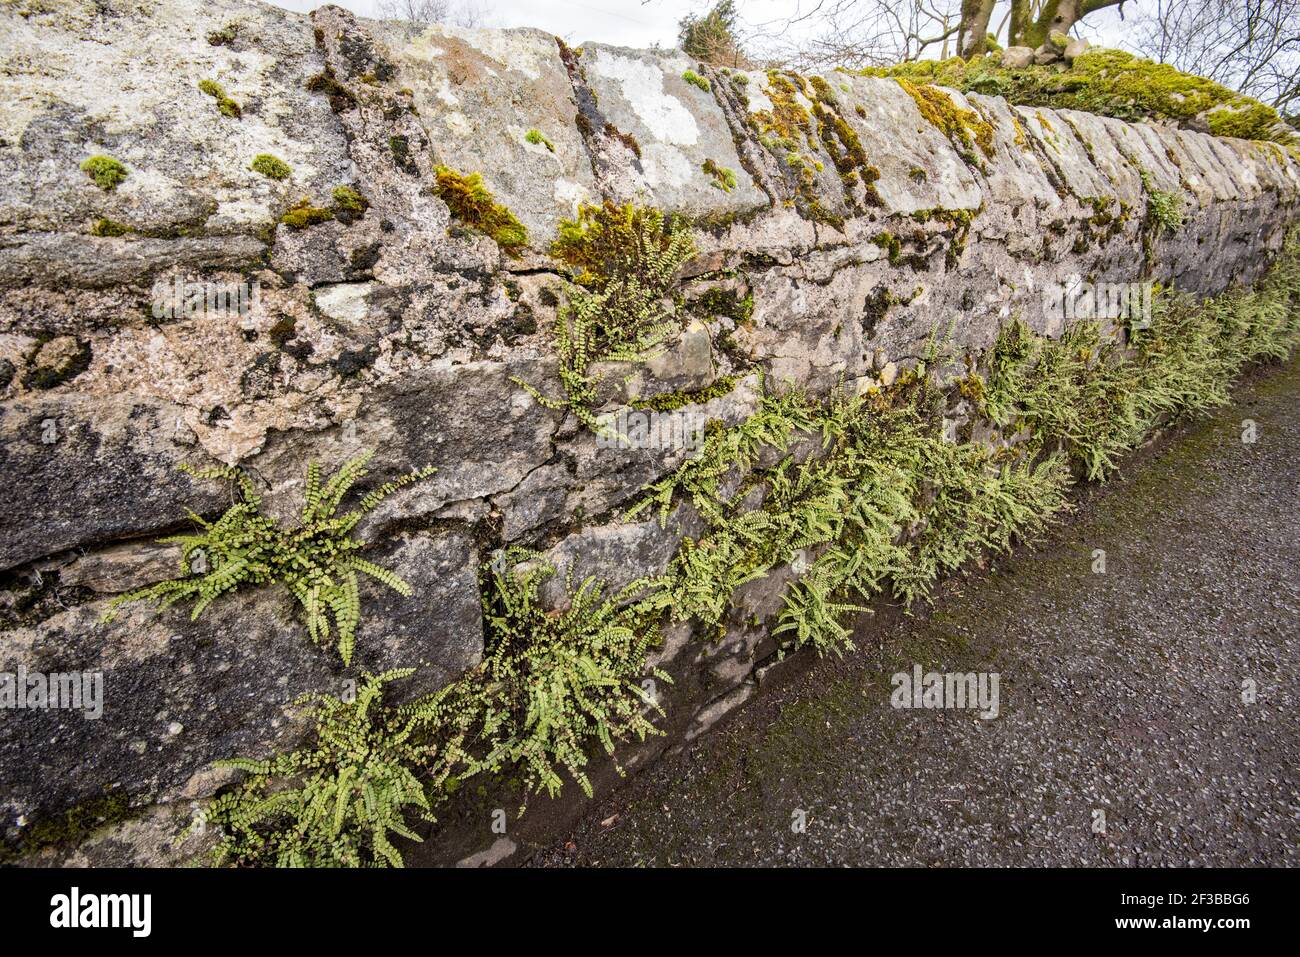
(550,684)
(316,560)
(335,803)
(624,261)
(880,502)
(1090,397)
(551,681)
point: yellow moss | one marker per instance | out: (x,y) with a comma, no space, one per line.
(1019,138)
(303,214)
(473,204)
(965,129)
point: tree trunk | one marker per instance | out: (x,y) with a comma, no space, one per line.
(1055,16)
(1018,21)
(972,38)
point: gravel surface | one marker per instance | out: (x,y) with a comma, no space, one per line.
(1124,735)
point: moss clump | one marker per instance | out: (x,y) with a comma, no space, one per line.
(105,171)
(694,79)
(725,302)
(627,139)
(341,98)
(225,104)
(606,242)
(473,204)
(538,138)
(1164,215)
(225,36)
(109,227)
(349,204)
(1109,83)
(888,241)
(800,135)
(842,144)
(723,178)
(303,214)
(965,129)
(958,222)
(672,401)
(1245,122)
(788,130)
(781,128)
(1019,138)
(72,827)
(270,166)
(400,147)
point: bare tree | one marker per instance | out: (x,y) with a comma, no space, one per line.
(1249,45)
(460,13)
(858,33)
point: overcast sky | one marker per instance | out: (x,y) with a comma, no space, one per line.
(643,23)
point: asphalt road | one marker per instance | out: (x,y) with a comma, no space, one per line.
(1147,712)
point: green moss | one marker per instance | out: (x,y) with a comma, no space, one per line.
(1244,122)
(890,242)
(72,827)
(694,79)
(471,203)
(225,104)
(270,166)
(537,138)
(109,227)
(105,171)
(842,144)
(725,302)
(349,204)
(1108,83)
(671,401)
(303,214)
(723,178)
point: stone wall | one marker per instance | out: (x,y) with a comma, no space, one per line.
(404,332)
